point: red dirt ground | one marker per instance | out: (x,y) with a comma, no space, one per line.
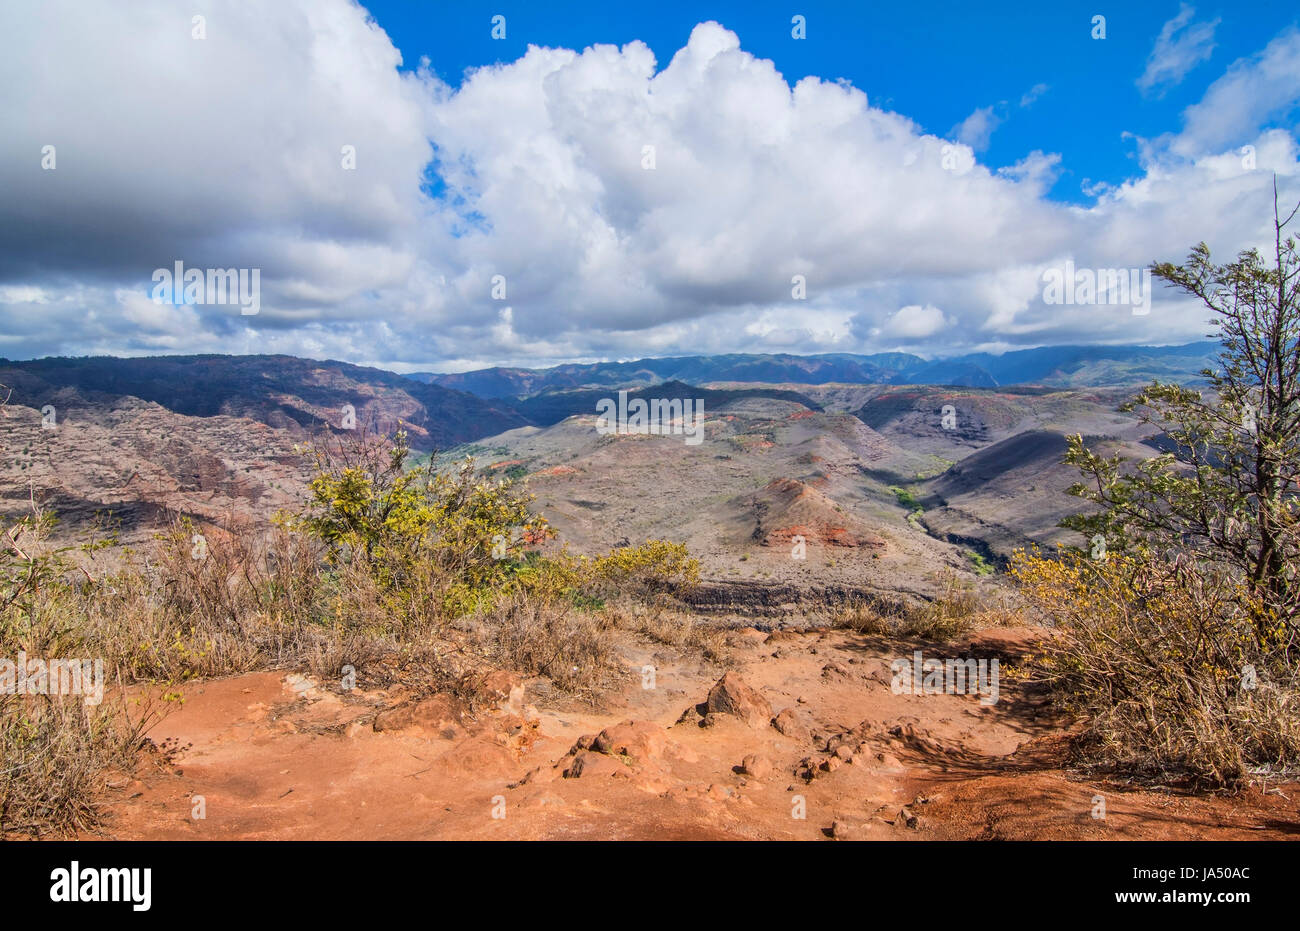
(274,757)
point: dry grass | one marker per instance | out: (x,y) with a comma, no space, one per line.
(954,612)
(1166,664)
(55,753)
(667,624)
(540,636)
(218,601)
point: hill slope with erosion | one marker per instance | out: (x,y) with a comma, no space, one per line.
(841,467)
(767,470)
(887,505)
(283,392)
(208,436)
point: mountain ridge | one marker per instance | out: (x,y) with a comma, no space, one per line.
(1060,366)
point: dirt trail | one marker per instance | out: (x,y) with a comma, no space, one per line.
(275,757)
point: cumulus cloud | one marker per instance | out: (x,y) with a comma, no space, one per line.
(1180,47)
(915,323)
(224,151)
(625,206)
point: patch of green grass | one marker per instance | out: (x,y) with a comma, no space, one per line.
(908,500)
(979,563)
(905,497)
(943,466)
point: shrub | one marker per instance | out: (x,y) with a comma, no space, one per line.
(432,542)
(428,578)
(655,567)
(1165,664)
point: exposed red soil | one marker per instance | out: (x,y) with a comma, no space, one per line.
(275,756)
(787,508)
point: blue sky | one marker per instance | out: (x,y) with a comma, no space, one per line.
(640,179)
(933,62)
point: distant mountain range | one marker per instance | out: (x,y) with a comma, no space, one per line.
(215,437)
(1058,366)
(439,411)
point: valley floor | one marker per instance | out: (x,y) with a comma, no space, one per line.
(270,756)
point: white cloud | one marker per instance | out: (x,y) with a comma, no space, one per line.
(1180,47)
(1252,92)
(1037,170)
(227,154)
(1031,95)
(23,294)
(914,323)
(220,152)
(976,130)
